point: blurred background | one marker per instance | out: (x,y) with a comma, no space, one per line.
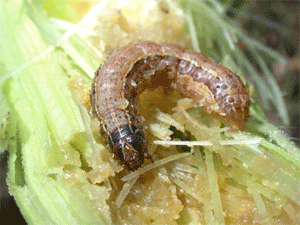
(276,24)
(273,23)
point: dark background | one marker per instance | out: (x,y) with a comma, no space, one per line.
(274,23)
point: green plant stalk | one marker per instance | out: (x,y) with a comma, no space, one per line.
(43,115)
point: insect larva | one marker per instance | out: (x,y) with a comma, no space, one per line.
(130,70)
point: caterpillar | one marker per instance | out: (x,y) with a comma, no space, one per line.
(130,70)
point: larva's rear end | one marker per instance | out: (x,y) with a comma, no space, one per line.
(132,69)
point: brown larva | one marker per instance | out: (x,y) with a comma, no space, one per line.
(130,70)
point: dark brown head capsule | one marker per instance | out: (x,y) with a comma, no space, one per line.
(130,146)
(130,70)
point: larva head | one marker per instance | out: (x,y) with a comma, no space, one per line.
(130,147)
